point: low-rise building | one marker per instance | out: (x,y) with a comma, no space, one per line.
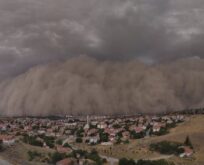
(7,140)
(187,152)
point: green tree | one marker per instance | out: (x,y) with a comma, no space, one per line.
(33,154)
(79,132)
(1,145)
(188,142)
(67,145)
(55,157)
(79,140)
(32,140)
(135,135)
(59,142)
(49,140)
(103,137)
(155,162)
(93,155)
(166,147)
(124,161)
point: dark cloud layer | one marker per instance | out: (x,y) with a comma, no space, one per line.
(33,32)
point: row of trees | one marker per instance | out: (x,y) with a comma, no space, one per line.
(1,145)
(32,140)
(39,140)
(93,155)
(166,147)
(125,161)
(33,154)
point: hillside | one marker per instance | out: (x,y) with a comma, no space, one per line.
(139,149)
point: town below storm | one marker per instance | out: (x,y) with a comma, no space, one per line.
(80,139)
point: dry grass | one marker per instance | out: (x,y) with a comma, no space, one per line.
(138,149)
(17,154)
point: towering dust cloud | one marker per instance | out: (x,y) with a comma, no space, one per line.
(84,85)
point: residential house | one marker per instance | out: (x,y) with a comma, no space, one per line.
(125,135)
(62,149)
(8,140)
(187,152)
(156,128)
(67,161)
(102,125)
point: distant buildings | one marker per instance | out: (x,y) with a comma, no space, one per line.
(92,131)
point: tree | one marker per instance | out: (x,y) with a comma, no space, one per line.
(55,157)
(79,140)
(135,135)
(93,155)
(33,154)
(154,162)
(188,142)
(50,144)
(32,140)
(166,147)
(79,132)
(124,161)
(116,126)
(49,140)
(67,145)
(59,142)
(1,145)
(103,137)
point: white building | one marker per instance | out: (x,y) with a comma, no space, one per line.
(7,140)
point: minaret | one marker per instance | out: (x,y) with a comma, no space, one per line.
(87,126)
(87,119)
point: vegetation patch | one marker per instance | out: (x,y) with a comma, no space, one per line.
(166,147)
(125,161)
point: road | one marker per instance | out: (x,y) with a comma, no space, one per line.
(161,157)
(3,162)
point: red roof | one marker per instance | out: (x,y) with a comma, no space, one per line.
(6,137)
(188,150)
(62,149)
(66,161)
(138,129)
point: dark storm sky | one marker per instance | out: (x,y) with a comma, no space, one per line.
(33,32)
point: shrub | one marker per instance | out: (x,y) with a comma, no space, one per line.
(59,142)
(93,155)
(79,132)
(67,145)
(32,140)
(155,162)
(166,147)
(82,153)
(1,145)
(33,154)
(116,126)
(162,131)
(188,142)
(103,137)
(125,161)
(172,125)
(55,157)
(126,142)
(50,144)
(78,140)
(135,135)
